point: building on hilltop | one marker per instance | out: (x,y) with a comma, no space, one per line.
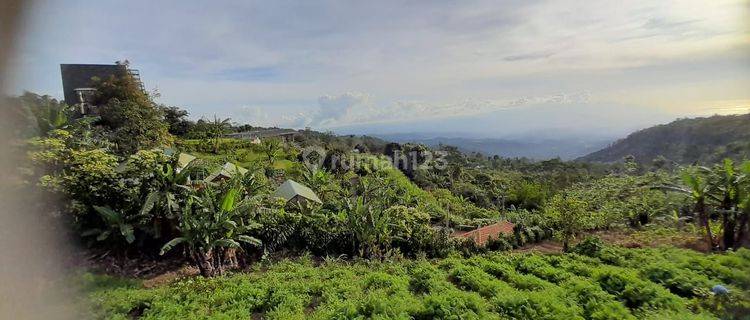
(77,80)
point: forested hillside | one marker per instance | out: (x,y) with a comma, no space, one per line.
(702,140)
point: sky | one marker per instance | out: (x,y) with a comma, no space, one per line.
(410,65)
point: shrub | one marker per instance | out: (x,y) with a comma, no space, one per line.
(475,279)
(498,244)
(535,265)
(519,281)
(634,292)
(426,278)
(679,281)
(596,303)
(590,246)
(454,304)
(535,305)
(480,287)
(612,255)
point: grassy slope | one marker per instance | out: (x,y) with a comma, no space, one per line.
(239,152)
(620,284)
(245,161)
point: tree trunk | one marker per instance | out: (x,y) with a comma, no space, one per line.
(729,226)
(230,258)
(204,260)
(742,230)
(700,208)
(218,261)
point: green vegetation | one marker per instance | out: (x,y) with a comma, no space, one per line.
(650,284)
(685,141)
(386,209)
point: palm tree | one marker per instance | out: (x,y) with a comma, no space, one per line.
(212,230)
(217,128)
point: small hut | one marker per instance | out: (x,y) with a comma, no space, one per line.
(227,171)
(294,192)
(183,160)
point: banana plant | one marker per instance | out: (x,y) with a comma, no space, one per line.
(317,180)
(726,184)
(695,183)
(116,224)
(163,200)
(212,226)
(370,227)
(51,117)
(272,149)
(217,128)
(743,206)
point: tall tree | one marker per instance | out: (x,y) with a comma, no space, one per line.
(177,120)
(218,128)
(128,112)
(568,215)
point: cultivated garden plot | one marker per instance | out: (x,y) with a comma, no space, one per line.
(609,283)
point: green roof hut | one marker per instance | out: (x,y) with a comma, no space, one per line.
(292,191)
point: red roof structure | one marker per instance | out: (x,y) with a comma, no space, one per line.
(483,234)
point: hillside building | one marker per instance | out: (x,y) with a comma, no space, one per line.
(78,81)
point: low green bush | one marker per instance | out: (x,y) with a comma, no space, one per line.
(536,305)
(681,282)
(634,292)
(590,246)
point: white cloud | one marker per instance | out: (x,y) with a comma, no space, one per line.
(360,108)
(429,59)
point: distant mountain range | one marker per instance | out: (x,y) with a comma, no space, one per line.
(536,131)
(703,140)
(538,149)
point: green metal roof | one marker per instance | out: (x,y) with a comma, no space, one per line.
(184,159)
(228,170)
(290,189)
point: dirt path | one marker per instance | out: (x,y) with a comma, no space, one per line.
(542,247)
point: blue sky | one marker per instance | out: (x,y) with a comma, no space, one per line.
(335,64)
